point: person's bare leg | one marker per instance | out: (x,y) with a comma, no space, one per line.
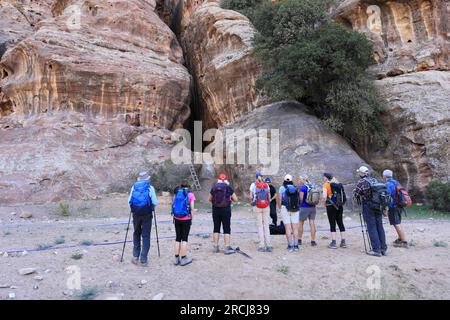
(295,233)
(288,228)
(226,239)
(183,249)
(343,235)
(300,230)
(333,236)
(216,239)
(400,232)
(177,248)
(312,226)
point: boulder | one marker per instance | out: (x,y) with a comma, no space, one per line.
(418,121)
(306,146)
(27,271)
(99,58)
(407,35)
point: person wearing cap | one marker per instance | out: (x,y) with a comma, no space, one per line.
(394,212)
(334,213)
(183,225)
(373,220)
(307,211)
(290,219)
(142,202)
(262,216)
(221,196)
(273,201)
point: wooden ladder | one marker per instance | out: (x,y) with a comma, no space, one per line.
(194,177)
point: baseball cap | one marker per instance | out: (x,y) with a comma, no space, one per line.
(288,177)
(363,169)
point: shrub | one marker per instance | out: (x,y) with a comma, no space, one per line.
(88,293)
(87,243)
(309,58)
(77,256)
(60,240)
(438,194)
(64,209)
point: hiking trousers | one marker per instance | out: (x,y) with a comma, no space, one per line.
(262,221)
(375,228)
(142,227)
(335,216)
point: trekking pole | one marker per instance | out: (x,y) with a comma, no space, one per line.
(156,228)
(368,238)
(362,230)
(126,236)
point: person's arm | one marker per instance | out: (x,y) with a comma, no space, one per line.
(234,198)
(129,198)
(274,195)
(302,194)
(210,198)
(279,200)
(153,197)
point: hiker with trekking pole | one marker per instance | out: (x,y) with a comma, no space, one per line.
(182,213)
(142,202)
(374,199)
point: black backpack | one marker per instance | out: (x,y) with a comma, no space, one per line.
(280,229)
(338,195)
(379,196)
(291,198)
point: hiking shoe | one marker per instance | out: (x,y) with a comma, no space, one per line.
(135,261)
(299,242)
(144,264)
(216,249)
(269,249)
(405,244)
(229,250)
(313,244)
(261,249)
(343,244)
(296,248)
(176,261)
(185,261)
(373,253)
(332,245)
(290,248)
(397,241)
(384,253)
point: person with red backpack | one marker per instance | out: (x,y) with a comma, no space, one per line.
(182,213)
(260,195)
(399,200)
(221,197)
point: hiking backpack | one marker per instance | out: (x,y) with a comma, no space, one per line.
(262,195)
(402,197)
(338,195)
(220,197)
(379,196)
(291,198)
(313,195)
(140,196)
(181,207)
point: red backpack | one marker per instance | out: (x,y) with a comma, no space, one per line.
(262,195)
(402,197)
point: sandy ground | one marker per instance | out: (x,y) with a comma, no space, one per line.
(420,272)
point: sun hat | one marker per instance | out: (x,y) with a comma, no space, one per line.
(288,177)
(144,176)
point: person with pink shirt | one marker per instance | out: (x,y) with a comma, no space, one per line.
(182,212)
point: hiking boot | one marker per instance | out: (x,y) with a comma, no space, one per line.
(343,244)
(229,250)
(135,260)
(313,244)
(269,249)
(216,249)
(261,249)
(185,261)
(397,243)
(296,248)
(373,253)
(332,245)
(176,261)
(405,244)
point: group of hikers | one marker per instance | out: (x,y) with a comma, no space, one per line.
(295,203)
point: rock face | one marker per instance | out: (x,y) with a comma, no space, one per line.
(218,48)
(407,35)
(418,122)
(306,147)
(72,156)
(99,58)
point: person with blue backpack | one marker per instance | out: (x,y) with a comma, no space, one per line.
(142,202)
(394,209)
(260,200)
(182,213)
(289,205)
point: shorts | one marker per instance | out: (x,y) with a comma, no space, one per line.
(289,217)
(395,216)
(222,217)
(307,212)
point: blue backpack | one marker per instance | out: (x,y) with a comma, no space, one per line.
(291,198)
(140,197)
(181,207)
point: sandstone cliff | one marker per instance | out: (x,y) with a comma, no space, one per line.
(100,58)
